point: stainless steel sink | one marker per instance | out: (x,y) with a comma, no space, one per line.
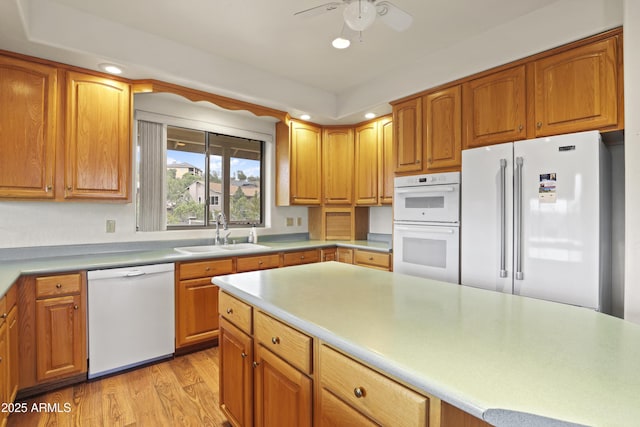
(207,249)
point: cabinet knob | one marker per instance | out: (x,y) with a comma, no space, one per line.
(4,315)
(48,188)
(69,188)
(429,160)
(301,256)
(243,354)
(520,128)
(229,310)
(58,285)
(359,392)
(370,258)
(207,269)
(275,340)
(539,125)
(417,161)
(75,307)
(260,262)
(255,364)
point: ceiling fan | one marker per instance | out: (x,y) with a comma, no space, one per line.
(360,14)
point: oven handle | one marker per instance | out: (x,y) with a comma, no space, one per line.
(503,218)
(418,190)
(427,229)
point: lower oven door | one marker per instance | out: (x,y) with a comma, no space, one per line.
(425,250)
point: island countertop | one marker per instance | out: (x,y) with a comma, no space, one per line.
(494,355)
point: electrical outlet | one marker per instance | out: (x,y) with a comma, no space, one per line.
(289,222)
(111,226)
(299,221)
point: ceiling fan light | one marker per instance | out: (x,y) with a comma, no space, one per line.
(359,14)
(340,43)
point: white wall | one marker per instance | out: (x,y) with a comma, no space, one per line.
(25,224)
(632,158)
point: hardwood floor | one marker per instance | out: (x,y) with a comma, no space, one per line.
(180,392)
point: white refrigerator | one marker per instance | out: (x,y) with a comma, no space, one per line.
(535,219)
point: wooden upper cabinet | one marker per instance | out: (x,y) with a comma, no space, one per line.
(407,119)
(306,161)
(367,164)
(443,123)
(577,90)
(97,138)
(495,108)
(385,143)
(337,165)
(28,105)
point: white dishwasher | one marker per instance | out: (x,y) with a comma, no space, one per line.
(131,317)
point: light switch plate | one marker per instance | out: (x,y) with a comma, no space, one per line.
(111,226)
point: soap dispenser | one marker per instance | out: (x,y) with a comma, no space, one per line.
(251,235)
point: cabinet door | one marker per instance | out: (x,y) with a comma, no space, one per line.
(60,337)
(4,368)
(12,355)
(385,142)
(345,255)
(337,165)
(407,123)
(306,158)
(97,138)
(366,158)
(577,90)
(236,374)
(495,108)
(443,128)
(283,394)
(196,311)
(28,105)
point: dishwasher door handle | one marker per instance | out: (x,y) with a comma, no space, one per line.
(135,273)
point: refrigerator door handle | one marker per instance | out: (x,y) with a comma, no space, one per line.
(503,218)
(518,219)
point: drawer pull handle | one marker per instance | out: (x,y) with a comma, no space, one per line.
(229,311)
(275,340)
(359,392)
(58,285)
(255,364)
(243,354)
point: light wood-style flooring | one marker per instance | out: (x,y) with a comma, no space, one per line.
(179,392)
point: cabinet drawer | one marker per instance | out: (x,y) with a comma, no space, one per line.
(51,286)
(262,262)
(301,257)
(372,259)
(210,268)
(293,346)
(236,311)
(376,396)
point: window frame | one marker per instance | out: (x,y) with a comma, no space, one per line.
(208,127)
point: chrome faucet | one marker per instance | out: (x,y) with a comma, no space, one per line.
(221,219)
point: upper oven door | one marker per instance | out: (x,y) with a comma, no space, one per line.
(431,203)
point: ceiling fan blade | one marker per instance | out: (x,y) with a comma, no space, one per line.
(393,16)
(319,10)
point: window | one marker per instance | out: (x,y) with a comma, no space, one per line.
(206,173)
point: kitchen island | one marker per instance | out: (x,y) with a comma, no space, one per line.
(506,359)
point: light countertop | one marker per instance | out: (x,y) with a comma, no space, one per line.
(488,353)
(10,270)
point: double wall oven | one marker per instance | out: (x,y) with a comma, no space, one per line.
(426,226)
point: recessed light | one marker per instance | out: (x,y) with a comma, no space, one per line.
(305,117)
(110,68)
(340,43)
(369,115)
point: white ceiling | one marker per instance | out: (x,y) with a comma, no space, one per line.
(258,51)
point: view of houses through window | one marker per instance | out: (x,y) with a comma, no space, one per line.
(209,173)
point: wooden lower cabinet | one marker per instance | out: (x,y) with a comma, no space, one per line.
(345,255)
(236,374)
(60,337)
(283,395)
(53,331)
(371,259)
(197,301)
